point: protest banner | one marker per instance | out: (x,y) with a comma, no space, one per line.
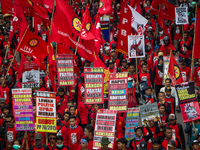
(181,15)
(118,92)
(46,111)
(132,118)
(149,110)
(104,126)
(23,109)
(166,66)
(65,69)
(136,48)
(94,85)
(188,102)
(31,79)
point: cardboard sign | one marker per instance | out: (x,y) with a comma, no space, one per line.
(23,109)
(181,15)
(65,69)
(31,79)
(188,102)
(94,85)
(118,92)
(104,126)
(46,113)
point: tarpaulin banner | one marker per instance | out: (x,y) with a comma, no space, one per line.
(166,66)
(23,109)
(132,118)
(181,14)
(118,92)
(149,110)
(94,85)
(46,112)
(30,79)
(104,126)
(188,102)
(65,69)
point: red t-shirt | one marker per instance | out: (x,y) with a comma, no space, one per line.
(185,73)
(166,49)
(143,77)
(197,75)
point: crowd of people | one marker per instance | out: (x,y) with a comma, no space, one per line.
(75,120)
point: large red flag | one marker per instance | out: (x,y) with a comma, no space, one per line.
(66,27)
(62,49)
(33,46)
(124,28)
(48,4)
(18,21)
(97,27)
(136,3)
(87,29)
(197,35)
(174,71)
(7,7)
(168,9)
(161,21)
(105,7)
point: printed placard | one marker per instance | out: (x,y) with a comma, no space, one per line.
(23,109)
(30,79)
(181,15)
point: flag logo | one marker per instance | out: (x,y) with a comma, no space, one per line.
(77,24)
(33,42)
(88,26)
(177,71)
(101,5)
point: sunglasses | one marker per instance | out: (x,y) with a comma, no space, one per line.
(52,138)
(82,142)
(7,121)
(31,131)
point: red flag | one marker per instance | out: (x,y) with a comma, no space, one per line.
(66,28)
(124,28)
(48,4)
(174,71)
(105,7)
(18,20)
(197,35)
(62,49)
(33,46)
(87,30)
(161,21)
(97,27)
(20,72)
(7,7)
(136,3)
(168,9)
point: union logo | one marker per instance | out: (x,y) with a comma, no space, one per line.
(101,4)
(77,24)
(88,26)
(177,72)
(33,42)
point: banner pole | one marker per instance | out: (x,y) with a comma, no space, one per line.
(136,66)
(77,45)
(194,128)
(8,45)
(26,140)
(192,59)
(46,138)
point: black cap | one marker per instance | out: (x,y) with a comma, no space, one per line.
(168,88)
(143,145)
(87,61)
(124,60)
(156,141)
(171,143)
(61,89)
(111,61)
(138,127)
(113,46)
(194,142)
(6,62)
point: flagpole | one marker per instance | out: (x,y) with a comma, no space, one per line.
(52,15)
(192,59)
(77,45)
(136,66)
(8,45)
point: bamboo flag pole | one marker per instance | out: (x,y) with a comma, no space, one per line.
(192,60)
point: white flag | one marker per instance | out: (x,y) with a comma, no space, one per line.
(137,19)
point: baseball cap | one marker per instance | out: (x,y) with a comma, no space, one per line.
(172,117)
(38,136)
(60,89)
(111,61)
(171,143)
(6,62)
(130,79)
(107,48)
(168,89)
(124,60)
(156,141)
(143,145)
(11,56)
(2,100)
(112,50)
(138,127)
(194,142)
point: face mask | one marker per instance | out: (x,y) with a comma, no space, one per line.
(159,64)
(130,85)
(59,146)
(38,144)
(16,146)
(148,96)
(161,32)
(115,39)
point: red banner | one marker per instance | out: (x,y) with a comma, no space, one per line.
(118,92)
(94,85)
(188,102)
(65,69)
(7,7)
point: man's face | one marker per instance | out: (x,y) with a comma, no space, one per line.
(72,110)
(172,122)
(9,121)
(166,42)
(185,35)
(157,50)
(168,133)
(8,25)
(113,54)
(83,144)
(156,146)
(138,132)
(1,21)
(6,37)
(111,66)
(105,146)
(151,123)
(60,93)
(41,82)
(28,58)
(59,142)
(124,64)
(86,132)
(161,96)
(183,66)
(120,145)
(2,80)
(148,92)
(195,146)
(96,107)
(31,133)
(132,69)
(167,83)
(171,148)
(161,109)
(5,111)
(118,8)
(168,93)
(66,117)
(148,3)
(72,122)
(52,138)
(149,34)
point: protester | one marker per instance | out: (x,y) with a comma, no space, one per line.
(104,143)
(59,144)
(38,143)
